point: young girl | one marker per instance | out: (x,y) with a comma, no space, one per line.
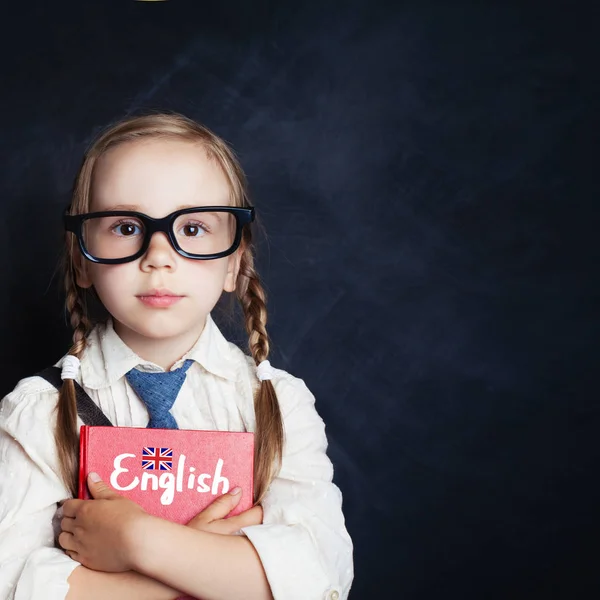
(141,240)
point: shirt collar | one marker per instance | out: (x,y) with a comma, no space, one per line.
(107,358)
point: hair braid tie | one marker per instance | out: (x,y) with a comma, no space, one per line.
(265,371)
(70,367)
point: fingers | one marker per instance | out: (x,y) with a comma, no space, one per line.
(67,524)
(253,516)
(218,509)
(66,541)
(71,507)
(99,489)
(73,555)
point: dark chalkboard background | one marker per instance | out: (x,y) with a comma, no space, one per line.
(426,174)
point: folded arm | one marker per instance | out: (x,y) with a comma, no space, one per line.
(86,584)
(202,564)
(31,567)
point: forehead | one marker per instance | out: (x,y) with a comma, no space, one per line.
(158,177)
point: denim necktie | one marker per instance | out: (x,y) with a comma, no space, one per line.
(158,392)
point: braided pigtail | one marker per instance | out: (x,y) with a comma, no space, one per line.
(268,447)
(66,420)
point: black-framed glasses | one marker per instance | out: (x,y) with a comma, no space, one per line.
(120,236)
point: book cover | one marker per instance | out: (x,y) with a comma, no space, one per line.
(170,473)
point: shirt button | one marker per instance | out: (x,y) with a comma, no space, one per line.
(333,595)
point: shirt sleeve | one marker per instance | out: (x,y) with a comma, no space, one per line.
(31,568)
(303,543)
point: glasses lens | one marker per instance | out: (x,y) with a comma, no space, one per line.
(204,233)
(113,237)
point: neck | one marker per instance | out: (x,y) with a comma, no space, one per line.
(162,351)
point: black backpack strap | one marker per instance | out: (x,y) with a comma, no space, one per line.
(87,409)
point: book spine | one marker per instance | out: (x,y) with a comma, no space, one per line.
(83,443)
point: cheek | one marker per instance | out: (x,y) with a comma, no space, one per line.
(205,274)
(109,279)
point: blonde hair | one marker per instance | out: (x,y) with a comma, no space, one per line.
(249,292)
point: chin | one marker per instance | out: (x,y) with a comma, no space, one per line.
(160,326)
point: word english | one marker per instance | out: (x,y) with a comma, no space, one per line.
(169,482)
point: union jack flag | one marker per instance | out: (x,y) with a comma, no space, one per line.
(159,459)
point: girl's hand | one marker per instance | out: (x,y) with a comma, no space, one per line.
(96,533)
(212,518)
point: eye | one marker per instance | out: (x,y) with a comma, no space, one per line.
(193,229)
(126,228)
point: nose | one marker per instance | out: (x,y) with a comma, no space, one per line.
(160,254)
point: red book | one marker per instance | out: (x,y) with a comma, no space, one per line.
(170,473)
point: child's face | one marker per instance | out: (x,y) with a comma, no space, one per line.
(158,177)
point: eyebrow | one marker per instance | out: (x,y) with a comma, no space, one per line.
(121,207)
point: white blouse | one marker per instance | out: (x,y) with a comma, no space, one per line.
(303,543)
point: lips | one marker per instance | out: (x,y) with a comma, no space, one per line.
(159,298)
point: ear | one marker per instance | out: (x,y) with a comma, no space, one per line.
(82,276)
(233,268)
